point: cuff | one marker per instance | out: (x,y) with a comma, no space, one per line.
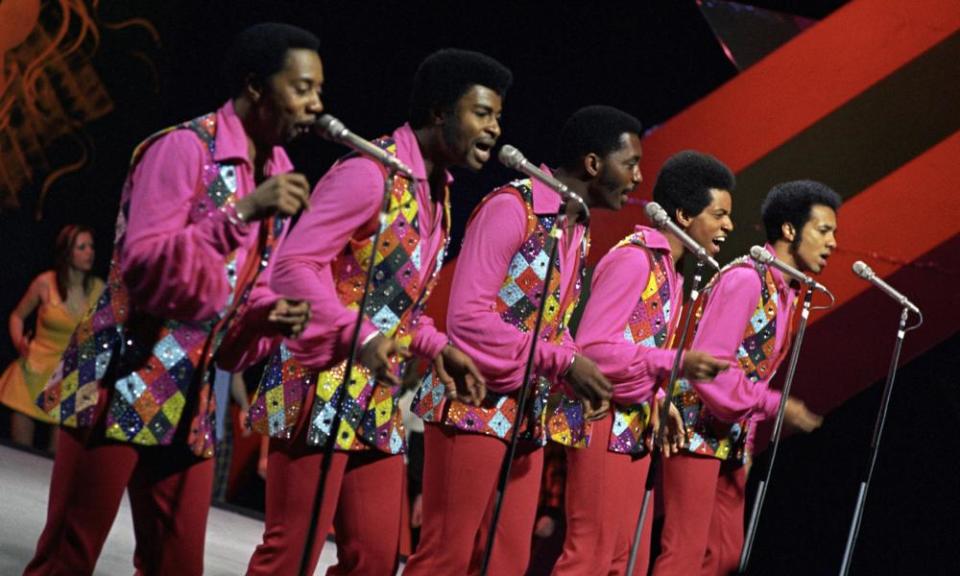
(770,404)
(553,360)
(428,344)
(230,230)
(660,361)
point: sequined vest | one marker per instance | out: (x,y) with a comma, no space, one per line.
(651,324)
(156,366)
(706,434)
(402,282)
(517,303)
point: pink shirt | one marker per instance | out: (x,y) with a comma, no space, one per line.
(173,258)
(345,205)
(494,235)
(731,396)
(618,282)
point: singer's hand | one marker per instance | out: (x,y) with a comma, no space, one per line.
(588,383)
(796,414)
(283,194)
(289,317)
(592,413)
(671,437)
(375,355)
(700,366)
(460,376)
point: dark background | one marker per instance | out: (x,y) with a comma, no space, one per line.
(651,58)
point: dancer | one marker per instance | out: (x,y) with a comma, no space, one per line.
(61,297)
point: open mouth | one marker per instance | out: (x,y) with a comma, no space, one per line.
(718,243)
(482,149)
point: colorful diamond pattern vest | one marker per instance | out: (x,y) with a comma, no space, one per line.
(402,282)
(649,325)
(707,435)
(153,364)
(517,304)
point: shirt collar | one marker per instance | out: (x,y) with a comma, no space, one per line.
(782,284)
(545,199)
(231,143)
(408,151)
(653,238)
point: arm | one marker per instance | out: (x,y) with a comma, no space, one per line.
(174,267)
(732,396)
(251,337)
(428,342)
(618,282)
(28,303)
(500,350)
(261,323)
(345,203)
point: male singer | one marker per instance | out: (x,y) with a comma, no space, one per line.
(497,286)
(454,121)
(634,310)
(747,320)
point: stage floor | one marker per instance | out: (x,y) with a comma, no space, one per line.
(24,480)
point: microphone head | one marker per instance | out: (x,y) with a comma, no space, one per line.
(861,269)
(510,157)
(330,128)
(656,214)
(760,254)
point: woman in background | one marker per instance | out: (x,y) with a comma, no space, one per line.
(63,296)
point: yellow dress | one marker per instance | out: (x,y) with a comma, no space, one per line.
(25,378)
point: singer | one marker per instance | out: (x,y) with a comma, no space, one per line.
(747,319)
(496,290)
(196,225)
(454,120)
(634,309)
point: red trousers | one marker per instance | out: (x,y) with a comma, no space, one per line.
(169,498)
(459,484)
(703,501)
(361,500)
(603,499)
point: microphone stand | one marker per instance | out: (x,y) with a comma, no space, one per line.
(526,384)
(875,443)
(664,414)
(330,446)
(761,494)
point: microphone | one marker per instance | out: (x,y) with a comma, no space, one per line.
(662,220)
(861,269)
(513,158)
(761,255)
(334,130)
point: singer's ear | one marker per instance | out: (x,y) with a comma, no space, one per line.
(439,116)
(592,164)
(788,232)
(682,219)
(253,88)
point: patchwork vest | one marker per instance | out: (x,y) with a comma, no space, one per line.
(402,282)
(517,303)
(651,324)
(157,367)
(706,434)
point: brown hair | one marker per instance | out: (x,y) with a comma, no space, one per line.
(63,251)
